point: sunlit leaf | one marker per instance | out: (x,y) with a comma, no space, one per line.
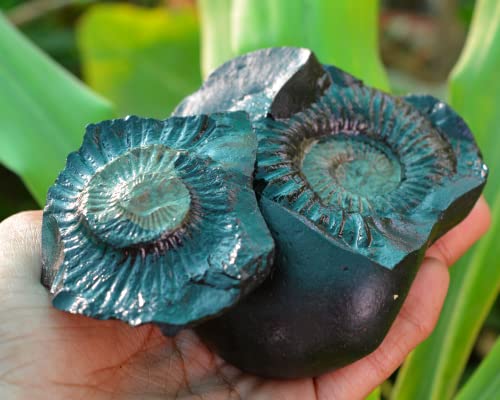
(259,23)
(340,32)
(434,369)
(215,34)
(144,60)
(345,33)
(485,383)
(43,111)
(375,395)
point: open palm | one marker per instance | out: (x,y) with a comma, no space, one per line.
(48,354)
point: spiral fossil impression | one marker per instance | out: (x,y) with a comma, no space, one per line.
(360,164)
(156,221)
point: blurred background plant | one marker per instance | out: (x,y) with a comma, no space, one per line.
(143,57)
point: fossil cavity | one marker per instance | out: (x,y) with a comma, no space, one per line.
(352,161)
(157,221)
(351,171)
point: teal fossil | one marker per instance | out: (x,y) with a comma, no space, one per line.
(355,185)
(156,221)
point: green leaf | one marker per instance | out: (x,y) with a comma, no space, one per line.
(434,369)
(484,384)
(345,34)
(215,34)
(475,87)
(260,23)
(43,112)
(375,395)
(144,60)
(340,32)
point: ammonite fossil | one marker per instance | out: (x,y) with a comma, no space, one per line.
(156,221)
(354,187)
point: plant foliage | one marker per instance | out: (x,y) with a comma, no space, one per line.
(144,60)
(341,32)
(475,280)
(43,112)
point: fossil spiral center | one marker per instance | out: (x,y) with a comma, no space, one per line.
(342,168)
(137,198)
(155,199)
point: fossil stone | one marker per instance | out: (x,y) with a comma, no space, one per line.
(354,186)
(156,221)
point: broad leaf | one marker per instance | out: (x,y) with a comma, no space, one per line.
(434,369)
(375,395)
(43,111)
(485,383)
(215,34)
(345,34)
(340,32)
(144,60)
(260,23)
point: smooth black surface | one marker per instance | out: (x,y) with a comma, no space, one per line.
(322,308)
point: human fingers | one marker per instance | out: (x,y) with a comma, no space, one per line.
(449,248)
(20,250)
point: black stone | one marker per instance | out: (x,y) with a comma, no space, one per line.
(322,308)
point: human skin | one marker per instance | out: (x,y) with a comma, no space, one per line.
(49,354)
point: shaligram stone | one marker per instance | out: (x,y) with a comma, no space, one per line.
(355,185)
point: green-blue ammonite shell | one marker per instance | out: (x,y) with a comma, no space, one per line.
(156,221)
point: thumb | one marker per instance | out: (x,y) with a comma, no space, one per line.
(20,253)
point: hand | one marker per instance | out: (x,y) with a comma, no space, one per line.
(48,354)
